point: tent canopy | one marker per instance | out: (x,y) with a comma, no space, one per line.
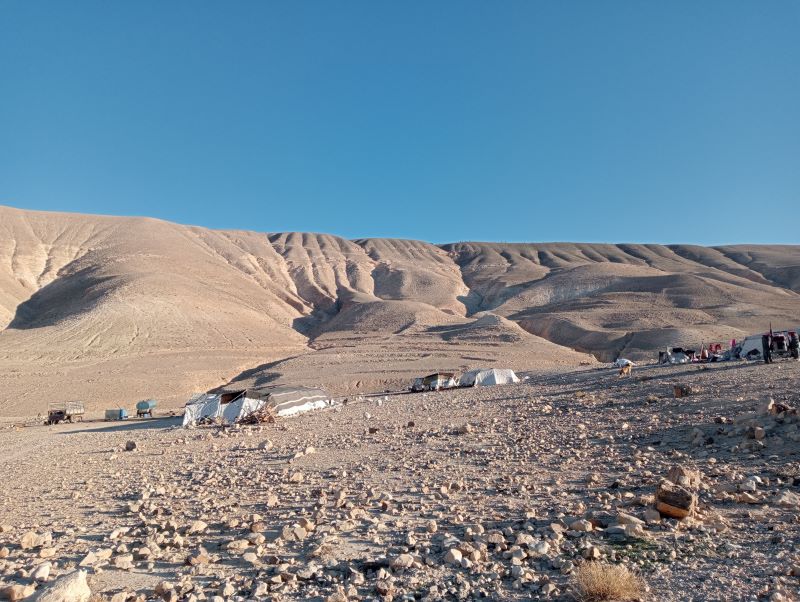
(288,400)
(488,376)
(230,406)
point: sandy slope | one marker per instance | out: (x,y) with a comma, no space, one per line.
(113,309)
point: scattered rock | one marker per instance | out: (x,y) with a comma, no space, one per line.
(71,587)
(16,592)
(41,572)
(197,526)
(453,556)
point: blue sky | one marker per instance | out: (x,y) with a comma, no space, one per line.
(636,121)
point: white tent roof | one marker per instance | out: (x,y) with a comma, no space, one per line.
(231,406)
(488,376)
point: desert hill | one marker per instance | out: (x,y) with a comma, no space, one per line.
(112,309)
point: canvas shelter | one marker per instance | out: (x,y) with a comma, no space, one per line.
(288,400)
(486,377)
(229,407)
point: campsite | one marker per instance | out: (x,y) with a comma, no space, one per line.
(374,495)
(453,301)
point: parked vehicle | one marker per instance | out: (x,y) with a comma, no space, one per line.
(751,347)
(145,408)
(64,411)
(117,414)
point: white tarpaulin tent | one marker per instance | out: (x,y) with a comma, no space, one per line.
(434,382)
(288,401)
(751,347)
(229,407)
(224,407)
(491,376)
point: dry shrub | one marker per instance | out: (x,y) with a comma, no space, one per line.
(596,581)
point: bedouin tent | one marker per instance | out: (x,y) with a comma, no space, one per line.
(751,347)
(490,376)
(434,382)
(288,401)
(229,407)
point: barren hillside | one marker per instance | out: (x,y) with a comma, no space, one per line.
(112,310)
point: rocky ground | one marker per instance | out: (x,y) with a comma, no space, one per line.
(498,493)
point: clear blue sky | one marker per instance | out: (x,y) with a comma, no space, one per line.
(637,121)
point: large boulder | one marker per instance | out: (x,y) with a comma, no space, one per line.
(71,587)
(674,501)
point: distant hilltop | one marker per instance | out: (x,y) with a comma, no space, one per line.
(129,307)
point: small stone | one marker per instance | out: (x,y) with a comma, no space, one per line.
(453,556)
(384,587)
(237,546)
(250,557)
(124,561)
(30,540)
(199,557)
(787,499)
(403,561)
(652,516)
(41,572)
(581,525)
(548,589)
(197,526)
(635,531)
(628,519)
(163,589)
(685,477)
(338,596)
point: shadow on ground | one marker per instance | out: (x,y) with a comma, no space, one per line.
(129,425)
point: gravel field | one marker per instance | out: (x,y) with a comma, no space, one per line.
(498,493)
